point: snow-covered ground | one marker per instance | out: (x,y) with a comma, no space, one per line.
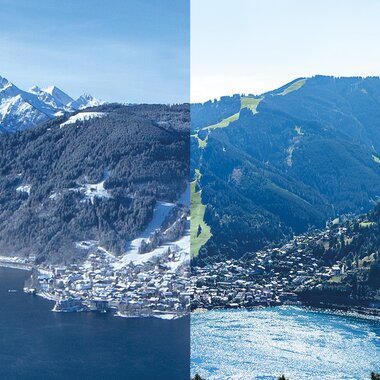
(183,244)
(24,189)
(93,190)
(90,191)
(82,116)
(14,104)
(137,258)
(54,196)
(14,262)
(132,253)
(161,211)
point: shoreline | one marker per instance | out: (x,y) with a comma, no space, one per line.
(343,311)
(167,317)
(346,311)
(14,264)
(340,310)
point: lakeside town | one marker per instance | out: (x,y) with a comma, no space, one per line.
(157,287)
(158,283)
(273,276)
(152,279)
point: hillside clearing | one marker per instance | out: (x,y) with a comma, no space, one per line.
(197,220)
(250,103)
(225,122)
(293,87)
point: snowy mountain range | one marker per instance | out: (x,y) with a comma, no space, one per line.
(21,109)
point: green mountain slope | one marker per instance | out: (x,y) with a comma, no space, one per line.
(306,153)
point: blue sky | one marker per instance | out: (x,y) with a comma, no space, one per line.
(117,50)
(252,46)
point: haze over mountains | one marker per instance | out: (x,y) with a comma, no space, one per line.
(21,109)
(272,165)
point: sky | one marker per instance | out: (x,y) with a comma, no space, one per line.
(118,50)
(254,46)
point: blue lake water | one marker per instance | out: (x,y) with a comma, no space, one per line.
(36,343)
(265,343)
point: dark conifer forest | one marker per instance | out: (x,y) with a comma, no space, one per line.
(50,178)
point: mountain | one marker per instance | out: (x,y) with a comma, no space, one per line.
(265,167)
(21,110)
(84,101)
(101,176)
(53,96)
(59,96)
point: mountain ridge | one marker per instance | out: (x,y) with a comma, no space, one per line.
(304,153)
(20,110)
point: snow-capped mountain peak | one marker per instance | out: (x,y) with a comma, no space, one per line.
(7,88)
(58,95)
(25,109)
(84,101)
(4,83)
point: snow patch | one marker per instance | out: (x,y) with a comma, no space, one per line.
(160,212)
(82,116)
(142,258)
(182,245)
(95,190)
(24,189)
(54,196)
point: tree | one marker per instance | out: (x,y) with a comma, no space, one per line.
(282,377)
(375,376)
(198,377)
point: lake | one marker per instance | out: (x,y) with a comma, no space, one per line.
(300,343)
(36,343)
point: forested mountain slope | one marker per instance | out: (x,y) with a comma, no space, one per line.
(284,161)
(355,244)
(96,175)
